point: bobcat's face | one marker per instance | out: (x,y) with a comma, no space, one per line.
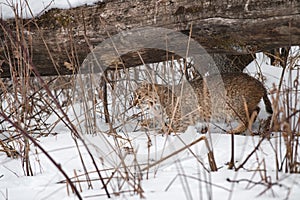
(146,94)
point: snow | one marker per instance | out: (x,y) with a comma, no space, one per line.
(170,181)
(30,8)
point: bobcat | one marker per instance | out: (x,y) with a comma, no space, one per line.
(203,99)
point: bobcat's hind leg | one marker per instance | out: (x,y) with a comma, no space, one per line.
(253,117)
(245,123)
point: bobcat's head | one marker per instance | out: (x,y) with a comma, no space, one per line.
(146,94)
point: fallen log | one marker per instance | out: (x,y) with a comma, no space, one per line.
(58,41)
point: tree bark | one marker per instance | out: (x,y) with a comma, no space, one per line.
(58,41)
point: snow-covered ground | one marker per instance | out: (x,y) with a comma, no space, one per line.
(183,176)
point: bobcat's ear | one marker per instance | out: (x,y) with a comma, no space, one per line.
(147,85)
(144,84)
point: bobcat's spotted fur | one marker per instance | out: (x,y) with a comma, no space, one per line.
(203,100)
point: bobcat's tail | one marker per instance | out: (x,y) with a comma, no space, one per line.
(267,103)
